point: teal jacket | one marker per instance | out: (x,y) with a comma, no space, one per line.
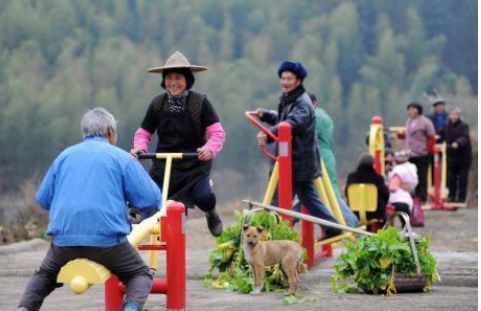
(324,132)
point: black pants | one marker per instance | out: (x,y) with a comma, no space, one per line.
(458,182)
(122,260)
(422,165)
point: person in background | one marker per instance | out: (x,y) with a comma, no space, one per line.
(420,140)
(403,178)
(185,121)
(365,174)
(325,131)
(439,117)
(86,191)
(296,108)
(456,136)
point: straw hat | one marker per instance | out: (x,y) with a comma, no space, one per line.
(177,60)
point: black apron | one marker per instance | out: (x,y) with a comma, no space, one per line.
(181,132)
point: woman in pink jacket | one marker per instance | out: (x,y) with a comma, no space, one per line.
(185,121)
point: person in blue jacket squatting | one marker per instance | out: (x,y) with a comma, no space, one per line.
(85,191)
(296,108)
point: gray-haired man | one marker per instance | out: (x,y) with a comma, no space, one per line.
(85,191)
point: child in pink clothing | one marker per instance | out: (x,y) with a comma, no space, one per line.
(402,181)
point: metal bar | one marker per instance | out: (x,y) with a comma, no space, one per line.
(250,116)
(322,193)
(326,181)
(376,144)
(308,218)
(163,156)
(285,167)
(154,254)
(151,247)
(271,186)
(165,186)
(176,257)
(145,228)
(444,194)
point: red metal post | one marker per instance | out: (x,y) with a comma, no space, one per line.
(307,231)
(327,251)
(159,286)
(175,256)
(285,166)
(163,229)
(114,295)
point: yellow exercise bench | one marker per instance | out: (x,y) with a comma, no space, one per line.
(362,198)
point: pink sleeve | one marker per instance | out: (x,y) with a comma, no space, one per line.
(215,138)
(142,139)
(395,183)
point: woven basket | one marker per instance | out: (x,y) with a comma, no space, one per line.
(406,283)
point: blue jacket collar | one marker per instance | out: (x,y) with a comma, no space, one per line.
(97,138)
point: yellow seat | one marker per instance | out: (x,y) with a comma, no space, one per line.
(81,273)
(362,198)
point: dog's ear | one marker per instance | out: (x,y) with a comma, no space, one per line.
(245,227)
(260,229)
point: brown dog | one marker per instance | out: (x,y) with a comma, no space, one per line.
(266,253)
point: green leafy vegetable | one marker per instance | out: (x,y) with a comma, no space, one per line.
(370,264)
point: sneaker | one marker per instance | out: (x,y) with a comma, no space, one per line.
(214,223)
(22,309)
(131,306)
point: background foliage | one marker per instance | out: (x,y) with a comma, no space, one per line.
(365,57)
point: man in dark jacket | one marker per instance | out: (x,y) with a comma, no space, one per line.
(456,135)
(365,174)
(439,117)
(296,108)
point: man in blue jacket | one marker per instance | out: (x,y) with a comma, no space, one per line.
(86,190)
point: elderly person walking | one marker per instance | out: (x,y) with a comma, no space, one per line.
(420,140)
(86,191)
(296,108)
(185,121)
(456,135)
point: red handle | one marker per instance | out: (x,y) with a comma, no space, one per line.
(251,116)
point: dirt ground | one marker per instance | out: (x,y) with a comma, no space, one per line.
(454,243)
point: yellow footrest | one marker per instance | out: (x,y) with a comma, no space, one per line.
(82,273)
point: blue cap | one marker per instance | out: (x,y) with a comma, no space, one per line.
(295,67)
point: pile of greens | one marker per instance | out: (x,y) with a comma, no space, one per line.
(228,257)
(369,264)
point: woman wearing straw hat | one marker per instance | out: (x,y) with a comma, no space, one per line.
(185,121)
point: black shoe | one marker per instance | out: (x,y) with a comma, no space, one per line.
(214,223)
(330,234)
